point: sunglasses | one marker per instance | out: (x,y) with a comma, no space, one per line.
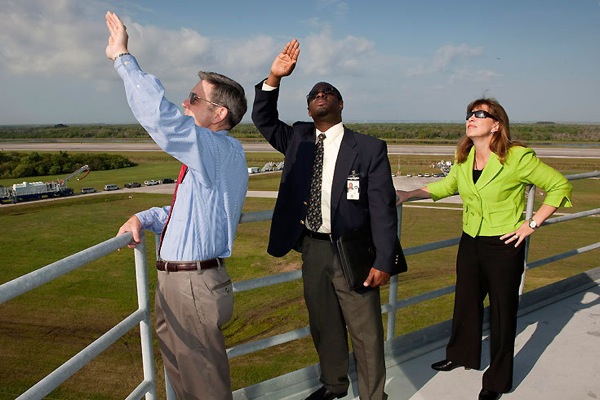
(193,97)
(480,114)
(325,92)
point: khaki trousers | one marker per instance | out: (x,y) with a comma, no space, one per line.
(334,311)
(191,307)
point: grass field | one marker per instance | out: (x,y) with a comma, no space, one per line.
(40,330)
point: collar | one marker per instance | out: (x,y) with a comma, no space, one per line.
(332,133)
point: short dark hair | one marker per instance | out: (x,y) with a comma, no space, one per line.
(229,93)
(321,86)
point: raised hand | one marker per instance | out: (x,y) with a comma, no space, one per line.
(284,63)
(117,41)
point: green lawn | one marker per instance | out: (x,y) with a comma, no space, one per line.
(40,330)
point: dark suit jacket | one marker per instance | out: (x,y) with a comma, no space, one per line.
(365,155)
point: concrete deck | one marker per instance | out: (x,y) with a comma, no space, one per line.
(557,354)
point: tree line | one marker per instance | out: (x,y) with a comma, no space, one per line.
(406,132)
(22,165)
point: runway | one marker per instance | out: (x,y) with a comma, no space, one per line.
(437,150)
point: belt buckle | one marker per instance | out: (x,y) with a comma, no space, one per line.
(166,264)
(199,264)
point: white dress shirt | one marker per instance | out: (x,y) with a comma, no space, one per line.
(331,148)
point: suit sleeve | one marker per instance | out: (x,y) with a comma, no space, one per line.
(382,209)
(447,186)
(558,189)
(266,118)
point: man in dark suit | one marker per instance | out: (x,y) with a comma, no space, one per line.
(311,221)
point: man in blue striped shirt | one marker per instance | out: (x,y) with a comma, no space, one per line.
(194,295)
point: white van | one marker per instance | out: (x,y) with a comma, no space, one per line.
(111,187)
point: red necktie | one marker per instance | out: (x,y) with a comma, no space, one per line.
(182,173)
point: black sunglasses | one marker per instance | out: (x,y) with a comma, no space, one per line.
(326,92)
(194,97)
(480,114)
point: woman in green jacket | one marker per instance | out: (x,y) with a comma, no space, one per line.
(491,173)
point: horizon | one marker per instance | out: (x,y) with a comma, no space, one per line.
(457,122)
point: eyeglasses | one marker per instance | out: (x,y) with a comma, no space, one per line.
(193,97)
(480,114)
(325,92)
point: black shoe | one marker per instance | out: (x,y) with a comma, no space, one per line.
(445,365)
(324,394)
(489,395)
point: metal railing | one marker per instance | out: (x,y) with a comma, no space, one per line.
(394,304)
(141,316)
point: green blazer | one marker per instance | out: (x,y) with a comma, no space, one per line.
(494,205)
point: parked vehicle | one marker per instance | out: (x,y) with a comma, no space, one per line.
(38,190)
(151,182)
(132,185)
(167,180)
(88,190)
(111,187)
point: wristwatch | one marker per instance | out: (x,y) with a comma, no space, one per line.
(532,224)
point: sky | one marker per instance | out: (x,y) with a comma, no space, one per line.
(392,60)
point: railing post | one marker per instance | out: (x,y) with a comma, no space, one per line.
(169,391)
(141,274)
(393,295)
(528,215)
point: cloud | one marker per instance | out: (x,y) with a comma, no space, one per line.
(480,76)
(446,58)
(323,54)
(247,58)
(169,53)
(68,37)
(340,8)
(56,49)
(46,38)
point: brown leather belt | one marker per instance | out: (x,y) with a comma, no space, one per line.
(174,266)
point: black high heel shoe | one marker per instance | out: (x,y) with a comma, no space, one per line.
(445,365)
(489,395)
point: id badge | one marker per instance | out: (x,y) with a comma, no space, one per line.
(353,187)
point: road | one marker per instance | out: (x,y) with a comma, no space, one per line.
(400,182)
(447,151)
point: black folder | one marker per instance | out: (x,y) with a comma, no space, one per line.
(357,255)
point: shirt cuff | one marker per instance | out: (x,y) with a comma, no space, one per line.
(267,88)
(125,63)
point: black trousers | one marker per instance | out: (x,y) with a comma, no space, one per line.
(487,266)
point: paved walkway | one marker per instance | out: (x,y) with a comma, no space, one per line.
(557,357)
